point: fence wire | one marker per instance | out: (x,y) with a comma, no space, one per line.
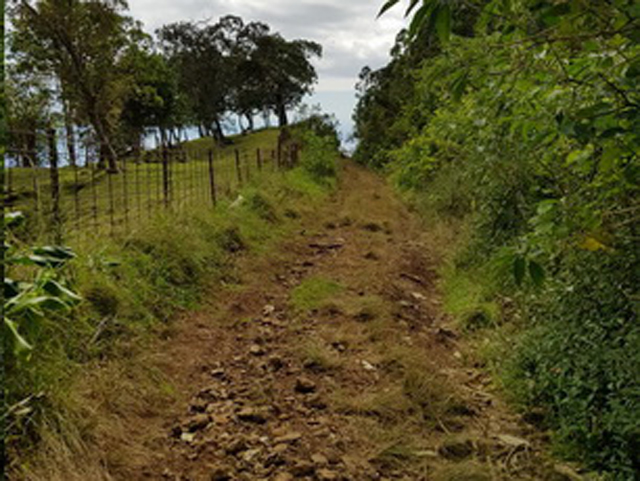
(66,194)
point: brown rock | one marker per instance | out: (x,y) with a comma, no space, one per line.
(304,385)
(283,477)
(276,363)
(316,402)
(288,438)
(211,393)
(198,422)
(326,475)
(236,446)
(302,468)
(198,406)
(319,459)
(280,448)
(252,415)
(221,473)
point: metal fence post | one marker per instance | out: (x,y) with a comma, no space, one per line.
(55,186)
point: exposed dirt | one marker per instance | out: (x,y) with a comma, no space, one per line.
(372,383)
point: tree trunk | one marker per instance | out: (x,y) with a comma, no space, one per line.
(137,147)
(218,133)
(283,121)
(71,134)
(266,117)
(29,149)
(108,156)
(249,118)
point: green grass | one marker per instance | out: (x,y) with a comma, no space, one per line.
(315,293)
(132,286)
(466,298)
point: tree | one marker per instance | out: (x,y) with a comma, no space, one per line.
(195,52)
(285,70)
(78,43)
(152,98)
(28,108)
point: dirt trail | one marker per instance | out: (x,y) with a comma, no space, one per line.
(366,381)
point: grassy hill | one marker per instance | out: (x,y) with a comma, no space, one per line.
(94,202)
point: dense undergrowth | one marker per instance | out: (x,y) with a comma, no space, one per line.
(523,130)
(130,288)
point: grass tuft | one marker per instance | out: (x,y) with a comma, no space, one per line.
(315,293)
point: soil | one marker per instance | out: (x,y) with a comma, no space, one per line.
(373,382)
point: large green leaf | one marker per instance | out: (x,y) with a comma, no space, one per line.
(13,219)
(18,345)
(387,6)
(519,269)
(58,290)
(57,252)
(443,22)
(537,273)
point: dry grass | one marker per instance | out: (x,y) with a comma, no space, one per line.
(464,471)
(317,356)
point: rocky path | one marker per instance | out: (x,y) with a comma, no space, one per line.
(330,359)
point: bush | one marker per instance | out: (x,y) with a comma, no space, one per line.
(533,146)
(318,156)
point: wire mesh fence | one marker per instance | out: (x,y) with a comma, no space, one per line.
(68,193)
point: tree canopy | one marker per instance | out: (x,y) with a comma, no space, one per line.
(95,63)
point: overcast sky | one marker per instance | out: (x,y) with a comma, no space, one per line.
(347,29)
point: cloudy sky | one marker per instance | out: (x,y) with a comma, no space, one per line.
(347,29)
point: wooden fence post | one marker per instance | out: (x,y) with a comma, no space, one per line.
(296,157)
(125,193)
(247,166)
(165,175)
(55,186)
(279,154)
(238,169)
(212,179)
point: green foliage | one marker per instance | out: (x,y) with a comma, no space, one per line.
(96,62)
(530,132)
(319,157)
(580,360)
(41,293)
(319,148)
(248,69)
